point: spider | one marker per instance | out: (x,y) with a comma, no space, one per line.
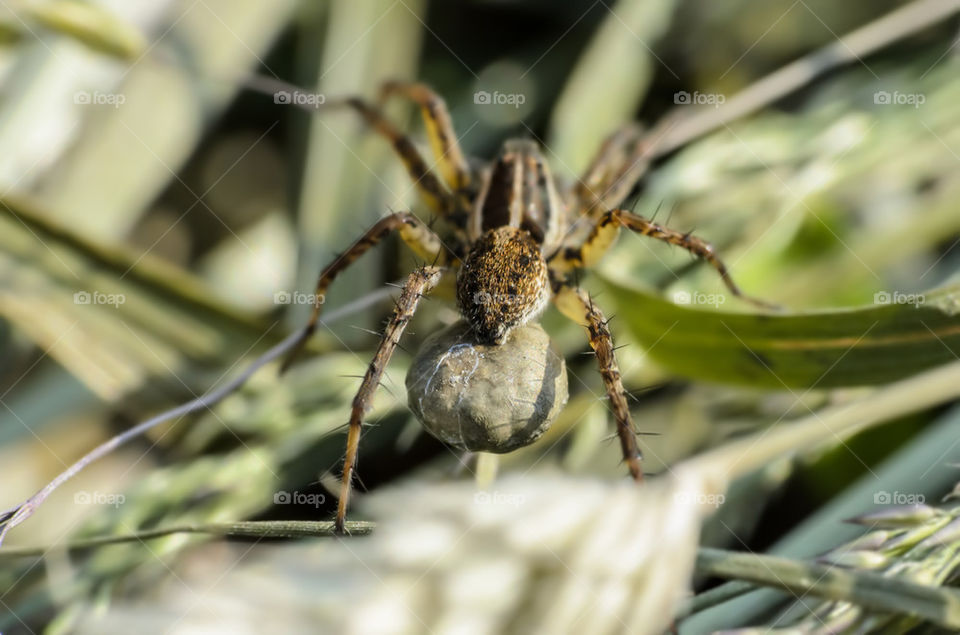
(510,232)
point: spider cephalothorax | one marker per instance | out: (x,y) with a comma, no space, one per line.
(503,283)
(516,237)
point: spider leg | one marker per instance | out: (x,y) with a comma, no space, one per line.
(419,237)
(443,139)
(420,282)
(621,162)
(606,230)
(579,307)
(426,182)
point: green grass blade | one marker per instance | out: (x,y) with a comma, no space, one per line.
(827,349)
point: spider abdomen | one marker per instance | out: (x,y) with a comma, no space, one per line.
(503,283)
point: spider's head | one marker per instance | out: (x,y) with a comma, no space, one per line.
(503,283)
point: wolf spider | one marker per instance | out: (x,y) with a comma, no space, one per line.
(509,231)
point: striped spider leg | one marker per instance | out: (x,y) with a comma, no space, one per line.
(620,163)
(421,239)
(419,283)
(449,199)
(605,230)
(574,303)
(618,166)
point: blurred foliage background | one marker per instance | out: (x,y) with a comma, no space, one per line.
(136,165)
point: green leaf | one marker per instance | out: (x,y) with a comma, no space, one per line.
(844,347)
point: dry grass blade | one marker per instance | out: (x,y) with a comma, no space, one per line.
(544,554)
(868,590)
